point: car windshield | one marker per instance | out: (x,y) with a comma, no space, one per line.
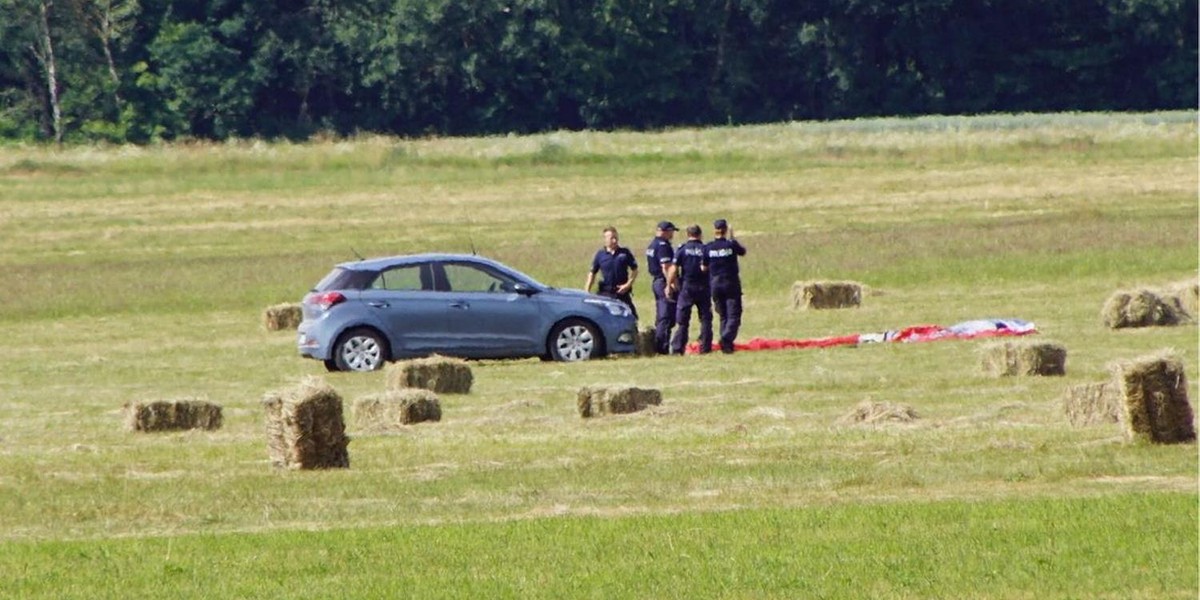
(537,283)
(525,278)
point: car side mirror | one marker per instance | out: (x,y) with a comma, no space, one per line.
(524,290)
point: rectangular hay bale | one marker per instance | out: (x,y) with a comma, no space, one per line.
(826,294)
(393,409)
(282,316)
(645,342)
(1185,296)
(1154,399)
(594,401)
(1022,357)
(305,427)
(439,374)
(1141,308)
(173,415)
(1091,404)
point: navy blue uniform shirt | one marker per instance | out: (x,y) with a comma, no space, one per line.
(614,267)
(688,258)
(658,254)
(722,260)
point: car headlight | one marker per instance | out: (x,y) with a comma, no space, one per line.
(616,309)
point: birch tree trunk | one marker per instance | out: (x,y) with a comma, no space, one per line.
(111,22)
(112,71)
(46,57)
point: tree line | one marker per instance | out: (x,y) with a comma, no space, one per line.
(146,70)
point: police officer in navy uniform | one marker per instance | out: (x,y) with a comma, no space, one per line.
(660,262)
(618,270)
(725,281)
(691,274)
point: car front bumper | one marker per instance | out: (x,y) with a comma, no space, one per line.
(620,336)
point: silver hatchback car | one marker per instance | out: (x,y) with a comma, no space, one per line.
(365,313)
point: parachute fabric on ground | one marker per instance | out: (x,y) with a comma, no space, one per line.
(979,328)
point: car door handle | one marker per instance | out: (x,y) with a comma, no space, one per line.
(460,304)
(378,304)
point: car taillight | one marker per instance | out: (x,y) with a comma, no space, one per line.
(327,300)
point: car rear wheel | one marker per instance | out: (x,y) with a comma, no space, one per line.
(575,340)
(359,350)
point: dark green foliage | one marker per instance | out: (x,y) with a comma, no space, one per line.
(154,69)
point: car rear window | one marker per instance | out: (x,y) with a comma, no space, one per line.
(345,279)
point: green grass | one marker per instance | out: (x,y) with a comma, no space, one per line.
(1122,546)
(141,274)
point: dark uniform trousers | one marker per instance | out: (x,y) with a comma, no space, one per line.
(698,295)
(664,316)
(728,302)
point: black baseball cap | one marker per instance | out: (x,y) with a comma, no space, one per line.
(720,224)
(693,230)
(667,226)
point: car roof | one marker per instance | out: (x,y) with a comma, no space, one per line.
(385,262)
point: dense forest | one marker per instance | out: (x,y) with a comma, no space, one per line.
(147,70)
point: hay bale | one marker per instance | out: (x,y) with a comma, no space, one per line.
(1091,404)
(173,415)
(439,374)
(1185,296)
(826,294)
(1154,399)
(597,400)
(869,412)
(645,342)
(1141,308)
(392,409)
(1023,357)
(282,316)
(305,428)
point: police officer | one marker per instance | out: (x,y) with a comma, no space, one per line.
(691,274)
(618,269)
(660,257)
(725,281)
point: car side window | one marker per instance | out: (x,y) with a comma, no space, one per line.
(405,278)
(469,278)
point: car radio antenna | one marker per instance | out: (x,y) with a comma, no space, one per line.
(360,257)
(470,237)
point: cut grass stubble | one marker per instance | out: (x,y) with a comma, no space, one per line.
(130,276)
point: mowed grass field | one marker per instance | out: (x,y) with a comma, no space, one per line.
(142,273)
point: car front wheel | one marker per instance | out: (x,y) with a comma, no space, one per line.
(359,350)
(575,340)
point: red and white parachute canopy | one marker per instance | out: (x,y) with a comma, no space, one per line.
(979,328)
